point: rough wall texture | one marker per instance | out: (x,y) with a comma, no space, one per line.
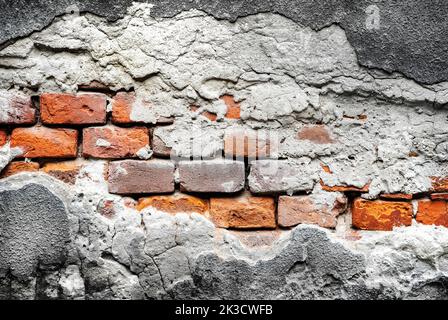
(150,150)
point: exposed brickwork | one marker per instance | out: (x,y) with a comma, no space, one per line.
(233,108)
(381,215)
(242,143)
(439,196)
(224,176)
(303,209)
(65,171)
(3,137)
(19,166)
(439,184)
(433,212)
(111,142)
(344,188)
(159,148)
(244,212)
(396,196)
(123,111)
(316,134)
(88,108)
(137,177)
(175,203)
(16,109)
(42,142)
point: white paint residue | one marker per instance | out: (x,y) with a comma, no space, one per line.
(102,143)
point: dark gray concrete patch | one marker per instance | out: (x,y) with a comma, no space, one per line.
(34,230)
(410,38)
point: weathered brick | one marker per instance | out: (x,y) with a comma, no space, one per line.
(86,108)
(233,108)
(439,196)
(396,196)
(224,176)
(281,176)
(243,212)
(137,177)
(3,137)
(175,203)
(66,171)
(344,188)
(159,147)
(112,142)
(19,166)
(16,109)
(381,215)
(433,212)
(304,209)
(239,143)
(439,184)
(42,142)
(317,134)
(127,109)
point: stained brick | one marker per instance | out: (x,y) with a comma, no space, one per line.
(243,212)
(303,209)
(42,142)
(175,203)
(381,215)
(19,166)
(112,142)
(433,212)
(317,134)
(239,143)
(137,177)
(16,109)
(159,147)
(224,176)
(233,108)
(439,184)
(126,109)
(66,171)
(88,108)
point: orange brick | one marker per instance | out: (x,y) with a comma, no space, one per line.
(439,196)
(344,188)
(316,134)
(87,108)
(19,166)
(175,203)
(65,171)
(112,142)
(396,196)
(380,215)
(3,137)
(42,142)
(244,212)
(122,106)
(247,143)
(439,184)
(233,108)
(432,212)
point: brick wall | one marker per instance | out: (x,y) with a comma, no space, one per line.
(243,186)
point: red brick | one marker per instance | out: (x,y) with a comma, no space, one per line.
(439,184)
(122,107)
(42,142)
(243,212)
(344,188)
(159,147)
(432,212)
(19,166)
(381,215)
(16,109)
(233,108)
(223,176)
(316,134)
(439,196)
(396,196)
(3,138)
(241,143)
(175,203)
(137,177)
(66,171)
(112,142)
(86,108)
(303,209)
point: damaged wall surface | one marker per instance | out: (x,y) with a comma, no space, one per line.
(148,150)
